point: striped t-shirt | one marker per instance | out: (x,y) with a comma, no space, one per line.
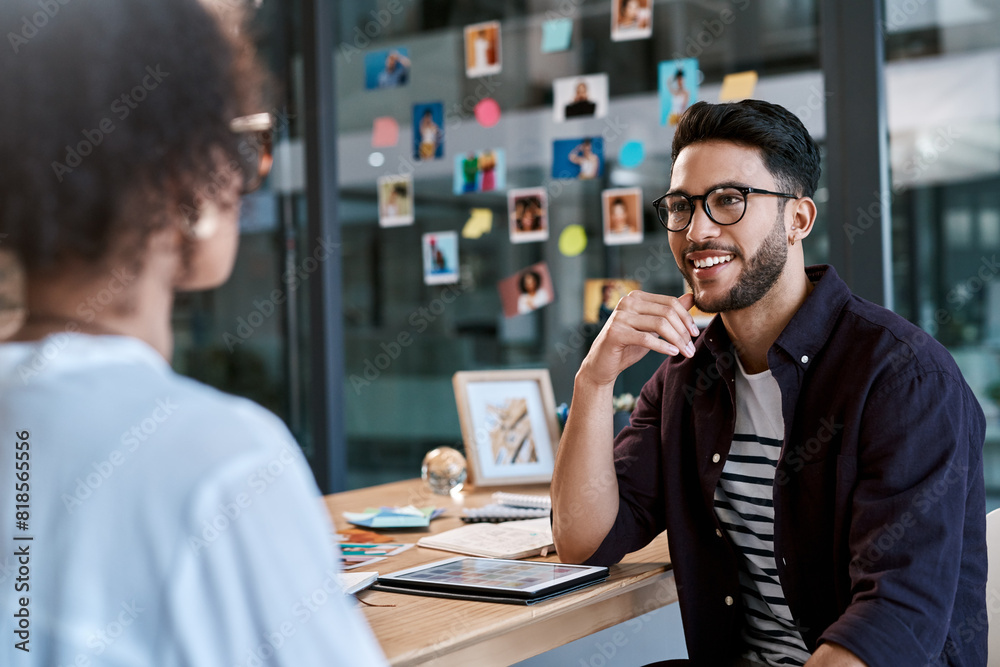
(745,508)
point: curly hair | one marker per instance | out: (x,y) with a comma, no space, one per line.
(524,276)
(118,119)
(786,148)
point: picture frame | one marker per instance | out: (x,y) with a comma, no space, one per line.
(509,425)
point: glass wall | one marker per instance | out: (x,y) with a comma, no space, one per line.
(943,82)
(249,336)
(405,338)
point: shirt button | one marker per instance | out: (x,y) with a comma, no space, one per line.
(718,532)
(805,359)
(729,600)
(715,458)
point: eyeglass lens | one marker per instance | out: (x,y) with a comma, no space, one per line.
(724,206)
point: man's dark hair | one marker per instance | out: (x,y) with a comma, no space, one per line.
(785,146)
(116,120)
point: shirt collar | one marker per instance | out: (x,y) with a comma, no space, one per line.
(810,326)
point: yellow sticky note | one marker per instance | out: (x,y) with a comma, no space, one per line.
(573,240)
(738,86)
(479,223)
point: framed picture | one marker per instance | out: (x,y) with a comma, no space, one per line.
(622,212)
(580,97)
(601,296)
(528,215)
(389,68)
(581,158)
(631,19)
(678,88)
(480,171)
(482,49)
(509,425)
(527,290)
(440,252)
(395,200)
(428,131)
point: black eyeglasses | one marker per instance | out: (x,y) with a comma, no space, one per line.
(724,205)
(255,155)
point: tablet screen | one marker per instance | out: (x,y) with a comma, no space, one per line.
(495,574)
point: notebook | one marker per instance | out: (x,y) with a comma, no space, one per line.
(511,540)
(352,582)
(522,500)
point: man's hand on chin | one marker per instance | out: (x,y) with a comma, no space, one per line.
(834,655)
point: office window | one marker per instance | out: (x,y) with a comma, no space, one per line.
(944,121)
(404,338)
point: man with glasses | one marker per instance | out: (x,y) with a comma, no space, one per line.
(815,459)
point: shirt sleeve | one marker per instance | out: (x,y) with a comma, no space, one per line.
(256,581)
(641,491)
(920,484)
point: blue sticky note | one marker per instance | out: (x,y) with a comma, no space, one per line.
(631,154)
(556,35)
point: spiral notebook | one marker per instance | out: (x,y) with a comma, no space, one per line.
(509,507)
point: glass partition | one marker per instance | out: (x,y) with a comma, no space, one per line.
(404,338)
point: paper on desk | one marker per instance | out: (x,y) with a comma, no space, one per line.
(351,562)
(373,548)
(352,582)
(513,539)
(394,517)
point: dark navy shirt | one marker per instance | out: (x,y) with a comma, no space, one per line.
(879,505)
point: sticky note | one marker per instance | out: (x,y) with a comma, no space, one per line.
(631,154)
(488,112)
(556,35)
(385,132)
(573,240)
(738,86)
(480,222)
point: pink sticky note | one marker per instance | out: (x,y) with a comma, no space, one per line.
(488,112)
(385,132)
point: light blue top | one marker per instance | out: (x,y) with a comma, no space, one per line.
(172,524)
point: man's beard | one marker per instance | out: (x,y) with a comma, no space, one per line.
(759,274)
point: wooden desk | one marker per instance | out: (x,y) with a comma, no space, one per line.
(434,631)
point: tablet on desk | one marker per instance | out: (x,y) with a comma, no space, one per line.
(491,579)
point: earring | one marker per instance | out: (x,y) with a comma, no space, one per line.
(792,240)
(206,224)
